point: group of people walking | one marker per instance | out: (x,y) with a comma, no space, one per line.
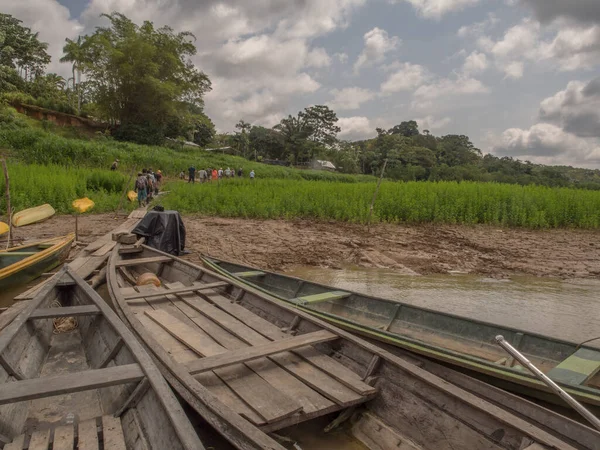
(207,175)
(147,185)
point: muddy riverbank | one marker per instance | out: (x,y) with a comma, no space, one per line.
(424,249)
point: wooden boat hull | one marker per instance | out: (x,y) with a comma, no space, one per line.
(443,337)
(249,364)
(46,255)
(95,376)
(33,215)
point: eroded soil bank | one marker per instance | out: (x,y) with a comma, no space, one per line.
(424,249)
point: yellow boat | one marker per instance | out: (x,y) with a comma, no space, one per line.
(3,228)
(21,264)
(33,215)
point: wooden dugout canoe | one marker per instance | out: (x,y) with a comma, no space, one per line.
(24,263)
(88,388)
(249,364)
(463,343)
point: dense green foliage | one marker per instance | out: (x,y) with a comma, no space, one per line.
(37,146)
(412,202)
(33,185)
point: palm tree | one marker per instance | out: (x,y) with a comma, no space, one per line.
(74,53)
(55,81)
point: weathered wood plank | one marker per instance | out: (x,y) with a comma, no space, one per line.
(65,311)
(140,261)
(105,249)
(40,440)
(196,340)
(16,444)
(111,355)
(112,433)
(160,292)
(280,379)
(17,391)
(64,438)
(88,436)
(333,368)
(256,352)
(270,403)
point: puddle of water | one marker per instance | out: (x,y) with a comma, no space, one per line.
(567,310)
(6,297)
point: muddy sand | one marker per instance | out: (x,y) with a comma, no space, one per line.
(425,249)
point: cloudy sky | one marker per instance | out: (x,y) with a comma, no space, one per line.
(520,77)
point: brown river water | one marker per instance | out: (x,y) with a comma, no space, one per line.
(564,309)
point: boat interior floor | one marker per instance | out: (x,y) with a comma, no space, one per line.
(71,421)
(272,378)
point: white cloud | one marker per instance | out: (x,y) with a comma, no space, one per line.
(432,123)
(575,109)
(475,63)
(357,127)
(548,144)
(349,98)
(478,29)
(574,47)
(318,57)
(409,76)
(445,87)
(563,46)
(514,69)
(435,9)
(341,57)
(377,44)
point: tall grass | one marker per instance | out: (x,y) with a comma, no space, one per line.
(33,185)
(413,202)
(37,146)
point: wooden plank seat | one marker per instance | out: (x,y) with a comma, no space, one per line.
(250,274)
(17,391)
(235,348)
(140,261)
(87,434)
(578,368)
(323,297)
(246,354)
(65,311)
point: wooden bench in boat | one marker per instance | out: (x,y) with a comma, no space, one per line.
(271,378)
(577,368)
(87,434)
(323,297)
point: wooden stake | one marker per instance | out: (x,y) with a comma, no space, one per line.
(8,207)
(76,227)
(375,195)
(124,193)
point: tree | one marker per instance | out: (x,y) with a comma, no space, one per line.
(142,77)
(294,133)
(241,137)
(406,129)
(75,53)
(21,49)
(322,122)
(267,143)
(457,150)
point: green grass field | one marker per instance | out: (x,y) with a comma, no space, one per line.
(414,202)
(45,167)
(34,184)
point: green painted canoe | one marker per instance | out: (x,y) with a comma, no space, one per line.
(463,343)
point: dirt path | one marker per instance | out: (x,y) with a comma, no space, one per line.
(425,249)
